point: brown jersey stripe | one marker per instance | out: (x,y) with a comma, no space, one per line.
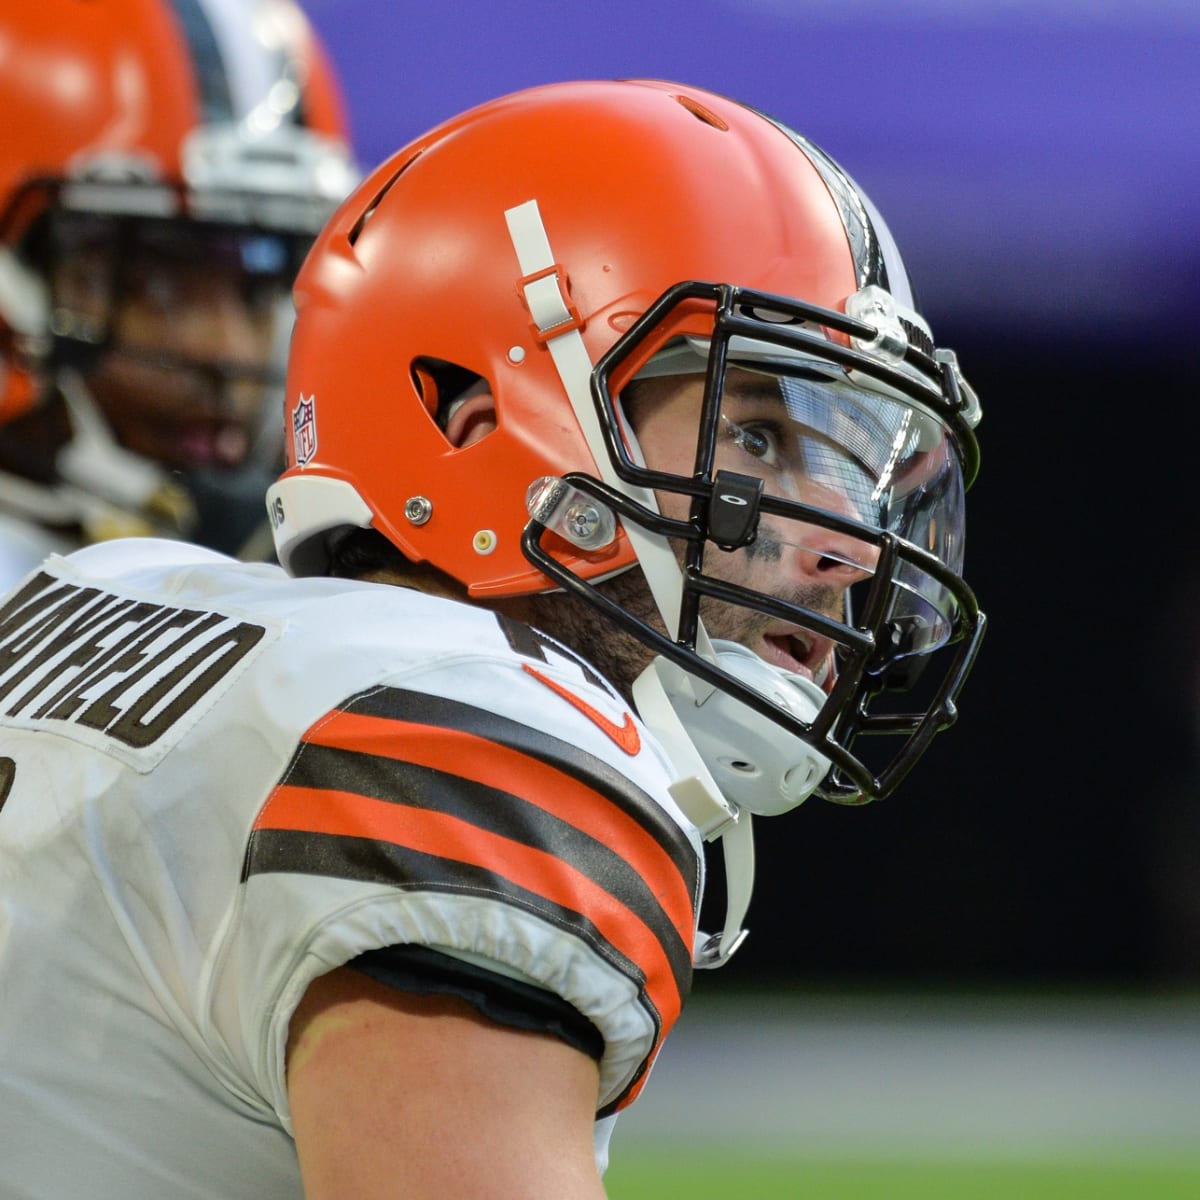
(420,708)
(404,868)
(648,886)
(504,769)
(401,867)
(638,931)
(536,872)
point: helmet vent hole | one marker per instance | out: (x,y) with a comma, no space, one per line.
(701,113)
(369,211)
(441,384)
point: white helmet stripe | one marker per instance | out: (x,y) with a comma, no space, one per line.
(897,276)
(239,51)
(570,356)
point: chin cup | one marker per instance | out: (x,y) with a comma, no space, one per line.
(758,766)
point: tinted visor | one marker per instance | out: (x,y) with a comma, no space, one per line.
(821,441)
(838,446)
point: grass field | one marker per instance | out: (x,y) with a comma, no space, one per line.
(689,1175)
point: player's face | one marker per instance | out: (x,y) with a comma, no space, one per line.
(801,563)
(191,337)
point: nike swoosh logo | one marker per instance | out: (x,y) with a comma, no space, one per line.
(625,736)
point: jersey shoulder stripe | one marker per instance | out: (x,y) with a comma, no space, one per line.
(420,708)
(423,793)
(489,791)
(371,860)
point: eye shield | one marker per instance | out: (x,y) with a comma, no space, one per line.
(855,450)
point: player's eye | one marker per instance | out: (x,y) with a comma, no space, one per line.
(760,440)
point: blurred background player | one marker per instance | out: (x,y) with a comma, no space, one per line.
(164,167)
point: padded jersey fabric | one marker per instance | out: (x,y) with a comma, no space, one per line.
(219,783)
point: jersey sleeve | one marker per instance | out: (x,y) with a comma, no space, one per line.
(407,818)
(500,998)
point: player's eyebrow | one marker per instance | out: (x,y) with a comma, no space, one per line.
(747,386)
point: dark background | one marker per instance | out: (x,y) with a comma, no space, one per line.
(1039,165)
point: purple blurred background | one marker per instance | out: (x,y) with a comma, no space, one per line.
(1039,162)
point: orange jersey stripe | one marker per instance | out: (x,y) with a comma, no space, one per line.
(497,766)
(346,814)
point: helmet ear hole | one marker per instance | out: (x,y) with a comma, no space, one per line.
(440,384)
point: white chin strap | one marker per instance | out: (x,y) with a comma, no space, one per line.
(759,769)
(24,302)
(94,461)
(732,762)
(702,802)
(545,294)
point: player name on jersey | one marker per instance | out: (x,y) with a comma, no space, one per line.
(90,662)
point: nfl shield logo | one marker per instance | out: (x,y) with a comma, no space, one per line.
(304,430)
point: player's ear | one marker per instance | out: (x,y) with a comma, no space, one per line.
(473,417)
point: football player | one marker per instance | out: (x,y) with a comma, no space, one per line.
(164,166)
(623,504)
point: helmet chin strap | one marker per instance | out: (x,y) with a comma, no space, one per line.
(110,482)
(24,305)
(696,792)
(705,805)
(545,293)
(93,459)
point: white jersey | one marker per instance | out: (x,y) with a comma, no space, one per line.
(218,783)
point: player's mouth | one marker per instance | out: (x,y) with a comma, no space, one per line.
(802,652)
